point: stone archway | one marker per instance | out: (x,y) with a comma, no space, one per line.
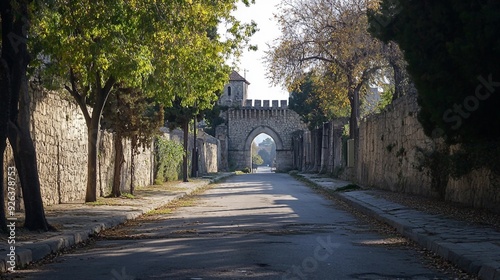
(243,124)
(256,131)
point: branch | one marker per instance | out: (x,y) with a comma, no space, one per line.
(109,84)
(317,57)
(103,94)
(80,98)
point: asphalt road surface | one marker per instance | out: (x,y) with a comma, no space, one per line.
(264,169)
(255,226)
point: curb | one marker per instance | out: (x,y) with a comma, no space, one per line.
(38,250)
(462,256)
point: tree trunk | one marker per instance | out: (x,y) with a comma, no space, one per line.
(93,124)
(194,156)
(25,158)
(26,163)
(15,53)
(133,149)
(92,141)
(354,118)
(185,128)
(354,121)
(4,119)
(119,160)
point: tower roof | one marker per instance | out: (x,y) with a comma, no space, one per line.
(237,77)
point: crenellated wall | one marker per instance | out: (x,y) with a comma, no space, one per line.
(265,104)
(244,124)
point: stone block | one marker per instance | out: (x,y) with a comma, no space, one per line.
(284,104)
(488,270)
(257,103)
(266,104)
(275,103)
(39,251)
(23,257)
(248,103)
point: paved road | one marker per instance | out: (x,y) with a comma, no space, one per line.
(264,169)
(255,226)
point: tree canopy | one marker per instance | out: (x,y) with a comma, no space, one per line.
(310,101)
(453,52)
(166,49)
(331,37)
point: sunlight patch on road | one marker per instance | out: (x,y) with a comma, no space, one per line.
(384,241)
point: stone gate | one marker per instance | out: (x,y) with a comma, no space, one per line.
(245,119)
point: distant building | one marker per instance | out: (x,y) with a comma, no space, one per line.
(235,92)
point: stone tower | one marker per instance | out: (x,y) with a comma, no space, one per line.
(245,119)
(235,92)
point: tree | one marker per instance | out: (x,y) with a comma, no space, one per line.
(212,118)
(257,160)
(15,113)
(267,150)
(158,47)
(179,116)
(452,50)
(305,101)
(265,156)
(195,83)
(331,37)
(129,114)
(94,45)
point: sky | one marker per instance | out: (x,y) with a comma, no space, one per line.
(252,61)
(251,64)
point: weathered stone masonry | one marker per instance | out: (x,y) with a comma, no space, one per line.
(390,156)
(246,118)
(389,147)
(60,136)
(245,123)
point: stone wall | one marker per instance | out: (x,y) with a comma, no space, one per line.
(388,149)
(209,149)
(209,153)
(60,137)
(320,150)
(238,93)
(244,124)
(390,146)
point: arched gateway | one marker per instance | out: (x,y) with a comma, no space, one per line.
(246,119)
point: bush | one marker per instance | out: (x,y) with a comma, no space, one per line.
(168,160)
(246,170)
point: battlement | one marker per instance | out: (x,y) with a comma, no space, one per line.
(266,104)
(258,113)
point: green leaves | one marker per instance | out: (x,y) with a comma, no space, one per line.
(168,158)
(452,49)
(167,49)
(328,37)
(93,37)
